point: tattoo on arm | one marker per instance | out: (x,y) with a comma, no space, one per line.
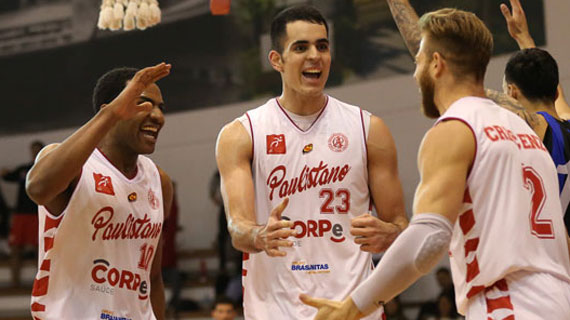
(406,19)
(512,105)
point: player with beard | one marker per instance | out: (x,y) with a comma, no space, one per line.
(531,87)
(298,176)
(483,196)
(102,205)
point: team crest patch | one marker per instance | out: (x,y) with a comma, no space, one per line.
(103,184)
(308,148)
(153,200)
(338,142)
(276,144)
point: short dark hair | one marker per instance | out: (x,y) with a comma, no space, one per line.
(301,12)
(223,300)
(535,72)
(110,85)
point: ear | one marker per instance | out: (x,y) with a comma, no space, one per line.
(513,91)
(275,60)
(437,65)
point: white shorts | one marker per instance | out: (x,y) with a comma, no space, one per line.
(523,296)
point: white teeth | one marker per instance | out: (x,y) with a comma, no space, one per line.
(152,129)
(312,71)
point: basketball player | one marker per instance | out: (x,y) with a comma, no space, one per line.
(298,174)
(101,207)
(530,89)
(483,196)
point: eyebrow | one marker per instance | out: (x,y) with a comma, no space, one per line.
(147,99)
(307,42)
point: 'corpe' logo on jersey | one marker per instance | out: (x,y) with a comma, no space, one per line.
(103,184)
(276,144)
(108,278)
(338,142)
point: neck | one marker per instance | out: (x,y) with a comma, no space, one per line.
(123,160)
(539,106)
(446,95)
(302,105)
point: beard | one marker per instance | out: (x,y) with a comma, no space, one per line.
(427,88)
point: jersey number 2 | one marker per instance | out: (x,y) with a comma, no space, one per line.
(540,228)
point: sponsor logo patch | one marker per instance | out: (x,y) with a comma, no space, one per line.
(276,144)
(108,279)
(153,200)
(338,142)
(109,315)
(308,148)
(313,268)
(103,184)
(132,197)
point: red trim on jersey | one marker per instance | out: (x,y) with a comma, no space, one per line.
(467,221)
(245,256)
(252,140)
(40,286)
(471,245)
(124,175)
(474,137)
(48,243)
(293,122)
(499,303)
(467,196)
(501,285)
(474,291)
(472,270)
(46,265)
(36,318)
(38,307)
(244,272)
(364,135)
(51,223)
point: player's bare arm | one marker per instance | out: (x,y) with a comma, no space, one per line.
(233,155)
(157,298)
(58,167)
(406,19)
(518,29)
(376,234)
(444,159)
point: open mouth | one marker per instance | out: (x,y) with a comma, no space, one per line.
(150,132)
(312,74)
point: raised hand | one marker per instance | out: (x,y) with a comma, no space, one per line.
(125,104)
(332,310)
(372,234)
(517,24)
(273,235)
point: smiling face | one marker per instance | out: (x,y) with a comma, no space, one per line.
(139,134)
(305,61)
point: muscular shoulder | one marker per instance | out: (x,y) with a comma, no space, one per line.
(449,140)
(234,139)
(167,191)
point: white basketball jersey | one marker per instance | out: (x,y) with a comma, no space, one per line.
(323,171)
(95,258)
(511,219)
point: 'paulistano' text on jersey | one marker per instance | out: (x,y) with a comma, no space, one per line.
(323,171)
(511,218)
(95,258)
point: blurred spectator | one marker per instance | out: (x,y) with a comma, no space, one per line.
(4,226)
(24,222)
(431,309)
(393,310)
(170,273)
(445,309)
(225,249)
(223,309)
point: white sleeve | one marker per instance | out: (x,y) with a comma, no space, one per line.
(415,252)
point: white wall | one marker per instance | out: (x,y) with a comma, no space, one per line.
(186,147)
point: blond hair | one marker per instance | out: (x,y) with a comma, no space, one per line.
(461,38)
